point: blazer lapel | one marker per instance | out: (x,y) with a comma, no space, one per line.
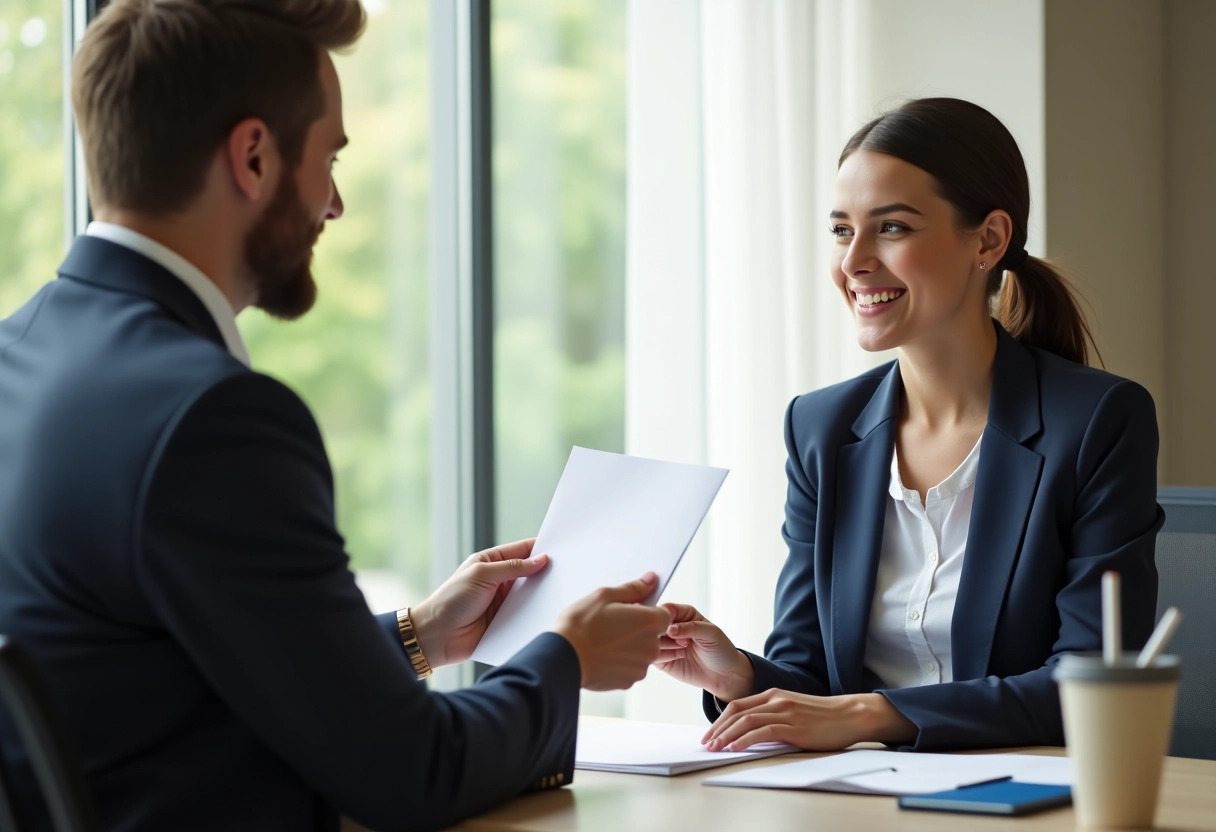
(862,474)
(1005,487)
(105,263)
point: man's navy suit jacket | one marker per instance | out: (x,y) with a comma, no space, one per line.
(168,555)
(1066,489)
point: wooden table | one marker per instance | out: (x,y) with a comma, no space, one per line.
(641,803)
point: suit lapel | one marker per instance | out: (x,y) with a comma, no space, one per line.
(105,263)
(862,474)
(1005,487)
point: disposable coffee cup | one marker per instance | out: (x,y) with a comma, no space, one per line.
(1117,722)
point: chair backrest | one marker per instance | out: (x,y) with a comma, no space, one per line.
(1186,563)
(24,696)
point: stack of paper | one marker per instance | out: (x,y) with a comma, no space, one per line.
(655,748)
(896,773)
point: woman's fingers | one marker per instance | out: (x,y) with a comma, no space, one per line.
(670,654)
(772,732)
(702,632)
(750,728)
(816,723)
(682,612)
(735,711)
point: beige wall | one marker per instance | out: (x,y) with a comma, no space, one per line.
(1190,238)
(1106,194)
(1131,179)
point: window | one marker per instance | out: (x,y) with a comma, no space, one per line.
(558,76)
(558,159)
(31,147)
(360,357)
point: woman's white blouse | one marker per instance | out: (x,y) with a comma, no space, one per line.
(920,565)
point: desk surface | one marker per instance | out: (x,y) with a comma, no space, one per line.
(640,803)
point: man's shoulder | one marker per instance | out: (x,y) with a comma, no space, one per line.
(135,371)
(243,397)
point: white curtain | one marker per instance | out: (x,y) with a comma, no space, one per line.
(775,325)
(738,110)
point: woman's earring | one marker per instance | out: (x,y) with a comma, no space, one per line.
(983,265)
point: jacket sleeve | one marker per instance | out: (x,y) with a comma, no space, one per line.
(239,557)
(1114,523)
(794,657)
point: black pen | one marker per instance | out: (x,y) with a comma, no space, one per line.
(986,782)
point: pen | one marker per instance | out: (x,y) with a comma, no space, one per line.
(986,782)
(1112,628)
(1160,637)
(863,773)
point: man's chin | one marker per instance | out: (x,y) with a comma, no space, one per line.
(290,301)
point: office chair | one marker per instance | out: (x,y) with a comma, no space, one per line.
(1186,563)
(24,696)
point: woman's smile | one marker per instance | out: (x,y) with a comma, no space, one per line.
(875,300)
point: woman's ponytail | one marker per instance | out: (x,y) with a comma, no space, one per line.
(1038,307)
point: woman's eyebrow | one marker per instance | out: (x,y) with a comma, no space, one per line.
(880,210)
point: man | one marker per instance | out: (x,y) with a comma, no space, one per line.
(168,551)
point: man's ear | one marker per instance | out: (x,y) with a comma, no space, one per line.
(253,159)
(995,233)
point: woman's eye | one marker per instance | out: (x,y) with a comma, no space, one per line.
(892,228)
(840,231)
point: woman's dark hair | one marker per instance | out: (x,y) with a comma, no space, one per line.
(979,169)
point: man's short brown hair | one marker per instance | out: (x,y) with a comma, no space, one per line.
(158,85)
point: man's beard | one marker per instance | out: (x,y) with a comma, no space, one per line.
(278,254)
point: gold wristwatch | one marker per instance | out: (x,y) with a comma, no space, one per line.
(412,649)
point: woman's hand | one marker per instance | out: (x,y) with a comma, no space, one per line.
(816,723)
(698,653)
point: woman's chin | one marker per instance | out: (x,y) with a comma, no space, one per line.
(871,341)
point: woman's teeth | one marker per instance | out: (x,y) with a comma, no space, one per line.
(878,297)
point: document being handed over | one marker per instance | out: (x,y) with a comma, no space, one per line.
(612,518)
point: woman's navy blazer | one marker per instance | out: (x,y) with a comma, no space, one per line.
(1066,490)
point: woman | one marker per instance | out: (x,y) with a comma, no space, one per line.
(949,515)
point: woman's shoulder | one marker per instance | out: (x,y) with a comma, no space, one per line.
(1071,384)
(835,407)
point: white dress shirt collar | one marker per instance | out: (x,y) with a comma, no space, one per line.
(206,291)
(962,478)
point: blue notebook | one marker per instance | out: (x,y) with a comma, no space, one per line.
(1006,797)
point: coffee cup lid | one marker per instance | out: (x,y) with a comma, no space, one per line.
(1091,667)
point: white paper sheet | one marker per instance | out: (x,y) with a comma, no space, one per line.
(895,772)
(612,518)
(656,748)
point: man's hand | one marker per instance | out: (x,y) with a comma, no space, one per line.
(698,653)
(816,723)
(615,637)
(451,622)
